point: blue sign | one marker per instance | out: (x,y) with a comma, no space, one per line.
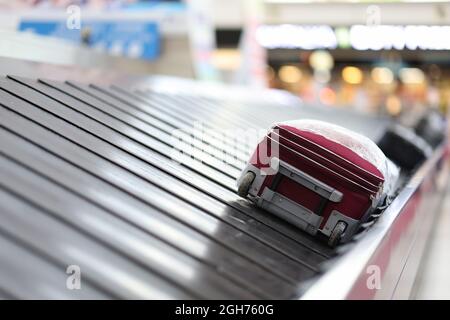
(132,39)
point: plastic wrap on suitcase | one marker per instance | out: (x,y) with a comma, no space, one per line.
(317,181)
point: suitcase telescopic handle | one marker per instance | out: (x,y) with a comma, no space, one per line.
(313,184)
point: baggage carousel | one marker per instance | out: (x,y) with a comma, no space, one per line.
(132,179)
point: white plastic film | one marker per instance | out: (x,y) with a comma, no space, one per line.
(361,145)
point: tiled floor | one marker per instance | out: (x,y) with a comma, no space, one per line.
(434,280)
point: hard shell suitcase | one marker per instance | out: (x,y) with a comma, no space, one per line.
(432,127)
(405,147)
(313,182)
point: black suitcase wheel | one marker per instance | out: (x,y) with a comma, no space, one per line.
(245,184)
(336,234)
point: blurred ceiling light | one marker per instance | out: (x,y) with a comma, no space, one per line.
(393,105)
(352,75)
(359,37)
(226,59)
(400,37)
(427,37)
(411,75)
(321,60)
(290,74)
(382,75)
(377,37)
(289,36)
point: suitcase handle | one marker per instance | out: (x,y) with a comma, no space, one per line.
(313,184)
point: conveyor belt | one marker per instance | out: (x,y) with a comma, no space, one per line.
(89,177)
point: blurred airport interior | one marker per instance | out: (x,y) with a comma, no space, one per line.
(342,54)
(384,58)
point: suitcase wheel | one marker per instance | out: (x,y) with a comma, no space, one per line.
(336,234)
(245,184)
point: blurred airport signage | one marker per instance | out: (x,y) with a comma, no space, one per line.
(133,39)
(358,37)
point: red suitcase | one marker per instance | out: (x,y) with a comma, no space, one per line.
(312,181)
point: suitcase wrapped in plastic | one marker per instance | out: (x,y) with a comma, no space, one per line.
(403,146)
(319,177)
(432,127)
